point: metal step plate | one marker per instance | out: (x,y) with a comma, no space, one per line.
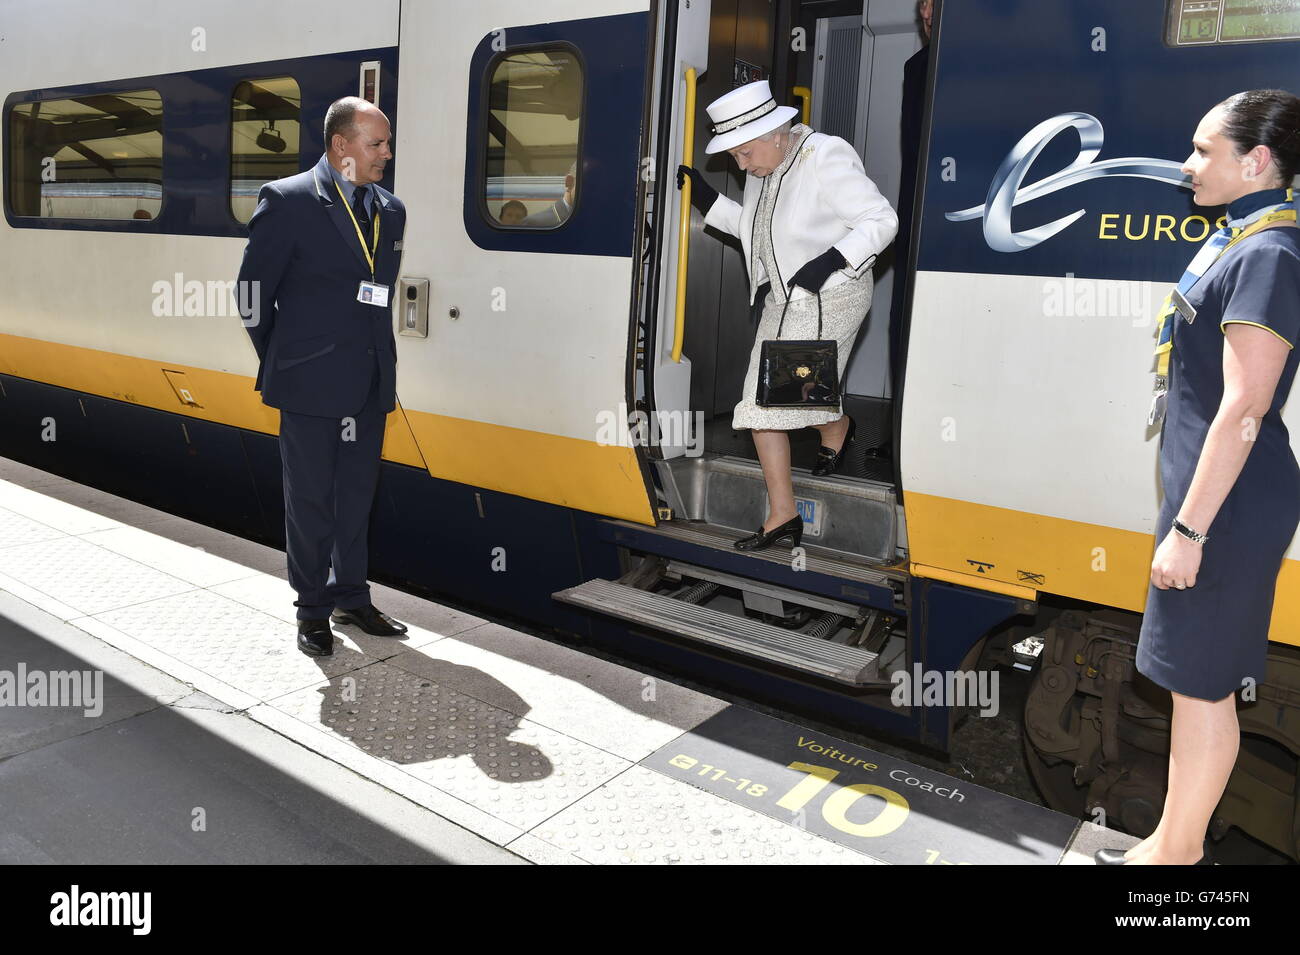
(816,559)
(845,515)
(849,665)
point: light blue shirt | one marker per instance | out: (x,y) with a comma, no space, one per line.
(349,189)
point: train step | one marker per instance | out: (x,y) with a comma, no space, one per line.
(850,516)
(811,654)
(816,558)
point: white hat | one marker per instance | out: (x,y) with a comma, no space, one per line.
(745,113)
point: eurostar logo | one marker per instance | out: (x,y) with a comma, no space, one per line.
(1007,190)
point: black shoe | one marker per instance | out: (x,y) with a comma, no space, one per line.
(793,529)
(827,460)
(315,638)
(881,452)
(1110,856)
(1116,856)
(370,620)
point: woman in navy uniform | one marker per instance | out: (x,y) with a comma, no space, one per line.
(1231,482)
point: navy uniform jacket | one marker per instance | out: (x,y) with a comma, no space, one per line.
(318,346)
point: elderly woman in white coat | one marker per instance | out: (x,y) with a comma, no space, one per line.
(811,224)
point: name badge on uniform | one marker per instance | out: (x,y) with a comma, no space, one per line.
(1182,306)
(372,293)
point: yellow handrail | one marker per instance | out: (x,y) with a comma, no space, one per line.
(684,223)
(805,101)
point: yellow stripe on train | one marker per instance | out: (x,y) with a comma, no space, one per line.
(543,467)
(1003,550)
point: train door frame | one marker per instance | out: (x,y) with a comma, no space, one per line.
(658,238)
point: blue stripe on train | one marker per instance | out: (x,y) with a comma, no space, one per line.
(196,135)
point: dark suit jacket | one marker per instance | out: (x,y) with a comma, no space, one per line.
(318,346)
(557,214)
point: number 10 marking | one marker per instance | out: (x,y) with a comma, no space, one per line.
(835,809)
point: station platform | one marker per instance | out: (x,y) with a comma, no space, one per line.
(465,741)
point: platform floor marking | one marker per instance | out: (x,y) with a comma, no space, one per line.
(885,807)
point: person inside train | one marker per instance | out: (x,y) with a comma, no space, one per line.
(1226,360)
(512,212)
(916,71)
(811,224)
(561,209)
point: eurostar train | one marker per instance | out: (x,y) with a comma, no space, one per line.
(570,349)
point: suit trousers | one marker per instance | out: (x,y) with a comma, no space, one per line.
(330,468)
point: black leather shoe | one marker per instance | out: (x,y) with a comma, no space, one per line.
(881,452)
(793,529)
(828,461)
(370,620)
(315,638)
(1110,856)
(1116,856)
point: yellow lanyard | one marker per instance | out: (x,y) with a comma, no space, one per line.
(1167,308)
(374,245)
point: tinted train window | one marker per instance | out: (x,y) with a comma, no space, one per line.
(1213,22)
(530,176)
(97,156)
(265,117)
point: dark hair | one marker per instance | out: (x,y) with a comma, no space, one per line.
(341,118)
(1266,118)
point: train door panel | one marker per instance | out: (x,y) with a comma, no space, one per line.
(687,23)
(521,168)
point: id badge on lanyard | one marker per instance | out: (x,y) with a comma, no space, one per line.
(368,293)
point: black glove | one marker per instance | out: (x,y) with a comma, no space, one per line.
(702,194)
(814,273)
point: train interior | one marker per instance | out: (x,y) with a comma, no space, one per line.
(844,59)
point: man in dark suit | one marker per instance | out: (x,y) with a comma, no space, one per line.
(315,285)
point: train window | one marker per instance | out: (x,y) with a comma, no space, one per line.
(96,156)
(1210,22)
(530,176)
(265,119)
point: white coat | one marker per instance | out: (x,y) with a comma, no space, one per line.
(824,199)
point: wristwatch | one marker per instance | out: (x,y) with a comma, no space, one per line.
(1190,534)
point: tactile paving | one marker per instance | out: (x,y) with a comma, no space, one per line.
(16,529)
(85,577)
(643,817)
(61,515)
(242,647)
(514,769)
(593,700)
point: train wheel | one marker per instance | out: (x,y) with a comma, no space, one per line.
(1055,781)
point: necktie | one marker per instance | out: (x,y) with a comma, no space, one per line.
(361,208)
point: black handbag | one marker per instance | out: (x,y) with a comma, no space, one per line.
(799,374)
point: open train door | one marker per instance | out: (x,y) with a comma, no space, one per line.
(519,136)
(680,60)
